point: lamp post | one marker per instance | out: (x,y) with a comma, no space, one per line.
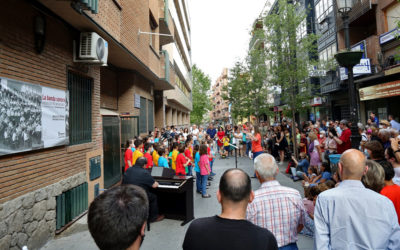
(348,59)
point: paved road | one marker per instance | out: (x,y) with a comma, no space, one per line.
(168,234)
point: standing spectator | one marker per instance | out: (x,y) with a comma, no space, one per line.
(230,230)
(195,133)
(394,123)
(375,151)
(391,190)
(128,207)
(275,207)
(374,119)
(390,155)
(205,170)
(211,131)
(343,216)
(343,142)
(314,151)
(385,124)
(281,143)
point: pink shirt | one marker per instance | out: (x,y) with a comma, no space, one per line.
(204,165)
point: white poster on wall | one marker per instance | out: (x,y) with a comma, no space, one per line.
(31,116)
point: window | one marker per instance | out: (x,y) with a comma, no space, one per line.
(322,9)
(327,53)
(153,28)
(143,116)
(301,31)
(80,108)
(181,86)
(393,16)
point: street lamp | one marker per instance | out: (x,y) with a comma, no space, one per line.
(348,59)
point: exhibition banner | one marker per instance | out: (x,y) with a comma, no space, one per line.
(31,117)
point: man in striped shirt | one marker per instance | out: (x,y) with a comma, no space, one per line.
(277,208)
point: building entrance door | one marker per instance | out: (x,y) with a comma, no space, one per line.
(111,148)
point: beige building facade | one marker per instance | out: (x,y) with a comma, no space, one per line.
(220,107)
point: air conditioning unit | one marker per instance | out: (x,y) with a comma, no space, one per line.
(92,49)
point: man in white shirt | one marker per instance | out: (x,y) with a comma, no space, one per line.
(393,123)
(195,133)
(351,216)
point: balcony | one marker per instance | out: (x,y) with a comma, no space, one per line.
(361,8)
(166,24)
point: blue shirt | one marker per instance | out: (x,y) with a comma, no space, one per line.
(325,175)
(162,162)
(351,216)
(395,125)
(196,162)
(212,132)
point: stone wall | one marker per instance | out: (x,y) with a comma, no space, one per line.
(31,219)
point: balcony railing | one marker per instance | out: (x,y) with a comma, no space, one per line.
(166,25)
(360,8)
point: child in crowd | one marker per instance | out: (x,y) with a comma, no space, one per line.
(210,157)
(181,161)
(155,154)
(162,160)
(189,155)
(226,150)
(309,178)
(174,155)
(204,165)
(148,148)
(196,154)
(138,152)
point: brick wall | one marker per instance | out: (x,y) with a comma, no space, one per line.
(109,88)
(26,172)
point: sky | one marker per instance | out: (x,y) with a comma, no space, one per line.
(220,31)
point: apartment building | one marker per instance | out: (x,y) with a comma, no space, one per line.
(77,79)
(373,29)
(220,111)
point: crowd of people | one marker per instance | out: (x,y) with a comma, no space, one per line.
(20,118)
(343,204)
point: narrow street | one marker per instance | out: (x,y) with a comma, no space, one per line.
(168,234)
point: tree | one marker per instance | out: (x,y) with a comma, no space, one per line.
(201,102)
(291,56)
(234,91)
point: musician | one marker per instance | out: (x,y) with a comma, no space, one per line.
(138,175)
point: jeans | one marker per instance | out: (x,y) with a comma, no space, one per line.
(204,180)
(255,154)
(248,147)
(198,182)
(190,172)
(291,246)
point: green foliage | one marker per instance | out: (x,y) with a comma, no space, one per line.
(290,57)
(201,102)
(235,91)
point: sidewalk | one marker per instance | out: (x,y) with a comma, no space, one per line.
(168,234)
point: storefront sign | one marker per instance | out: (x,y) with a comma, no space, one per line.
(316,101)
(32,117)
(380,91)
(389,36)
(364,67)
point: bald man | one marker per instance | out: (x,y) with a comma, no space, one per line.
(352,216)
(230,230)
